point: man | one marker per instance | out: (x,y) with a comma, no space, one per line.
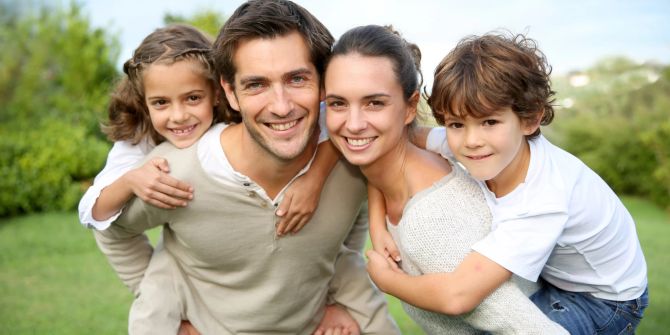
(220,262)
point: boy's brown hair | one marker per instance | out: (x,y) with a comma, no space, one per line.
(484,74)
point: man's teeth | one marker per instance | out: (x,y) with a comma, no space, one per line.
(283,126)
(359,141)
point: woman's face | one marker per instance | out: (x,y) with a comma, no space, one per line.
(366,112)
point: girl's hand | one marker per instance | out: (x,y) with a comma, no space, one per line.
(152,183)
(337,321)
(298,205)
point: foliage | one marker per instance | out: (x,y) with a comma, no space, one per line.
(55,75)
(43,168)
(618,125)
(209,21)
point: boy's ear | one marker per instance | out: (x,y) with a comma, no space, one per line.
(410,113)
(229,90)
(531,125)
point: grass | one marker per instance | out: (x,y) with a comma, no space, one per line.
(54,281)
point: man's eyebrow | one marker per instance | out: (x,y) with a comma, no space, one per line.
(301,71)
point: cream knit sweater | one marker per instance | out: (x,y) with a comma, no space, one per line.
(438,226)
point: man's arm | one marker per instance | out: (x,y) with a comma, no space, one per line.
(126,246)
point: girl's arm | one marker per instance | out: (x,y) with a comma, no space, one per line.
(381,239)
(302,197)
(451,293)
(150,182)
(103,201)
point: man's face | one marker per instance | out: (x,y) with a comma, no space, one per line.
(276,90)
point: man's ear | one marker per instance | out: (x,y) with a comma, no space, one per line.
(531,125)
(229,90)
(412,103)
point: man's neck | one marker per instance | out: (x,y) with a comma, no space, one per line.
(250,159)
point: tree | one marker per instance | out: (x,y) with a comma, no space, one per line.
(55,75)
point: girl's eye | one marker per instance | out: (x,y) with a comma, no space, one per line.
(159,103)
(194,98)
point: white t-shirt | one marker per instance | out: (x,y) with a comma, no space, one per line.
(563,223)
(125,156)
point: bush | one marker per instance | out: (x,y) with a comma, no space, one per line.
(619,127)
(48,167)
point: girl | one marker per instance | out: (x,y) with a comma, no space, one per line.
(553,217)
(434,210)
(170,93)
(140,118)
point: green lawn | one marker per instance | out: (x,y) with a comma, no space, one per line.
(54,281)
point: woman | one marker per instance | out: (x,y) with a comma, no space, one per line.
(434,210)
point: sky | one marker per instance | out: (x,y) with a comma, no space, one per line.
(573,34)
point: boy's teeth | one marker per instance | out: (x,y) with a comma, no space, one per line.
(283,126)
(359,141)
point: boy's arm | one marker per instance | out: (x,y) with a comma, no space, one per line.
(451,293)
(302,197)
(420,136)
(381,239)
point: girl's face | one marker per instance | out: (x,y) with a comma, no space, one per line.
(366,112)
(492,148)
(180,100)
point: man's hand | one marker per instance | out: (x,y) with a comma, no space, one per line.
(337,321)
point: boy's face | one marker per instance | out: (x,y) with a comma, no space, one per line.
(492,148)
(276,90)
(180,100)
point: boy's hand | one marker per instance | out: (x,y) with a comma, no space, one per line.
(298,205)
(383,243)
(379,267)
(337,321)
(151,183)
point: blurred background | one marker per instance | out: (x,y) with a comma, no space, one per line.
(60,59)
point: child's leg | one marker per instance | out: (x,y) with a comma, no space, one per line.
(582,313)
(157,309)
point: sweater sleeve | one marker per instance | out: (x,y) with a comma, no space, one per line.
(125,244)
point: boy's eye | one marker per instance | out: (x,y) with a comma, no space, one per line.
(454,125)
(490,122)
